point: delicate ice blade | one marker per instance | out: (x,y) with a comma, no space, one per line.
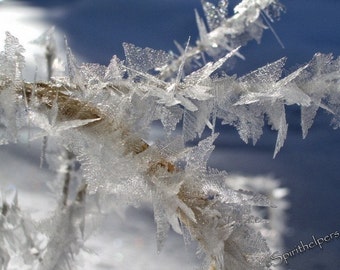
(162,223)
(203,73)
(307,118)
(269,73)
(47,41)
(73,69)
(144,59)
(115,70)
(189,126)
(14,58)
(282,133)
(215,14)
(202,30)
(198,157)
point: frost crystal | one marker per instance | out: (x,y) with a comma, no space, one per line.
(145,59)
(215,15)
(99,118)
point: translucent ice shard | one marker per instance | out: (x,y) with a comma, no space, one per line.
(198,157)
(225,32)
(215,14)
(47,41)
(282,132)
(51,127)
(13,58)
(246,249)
(198,76)
(145,59)
(194,122)
(12,63)
(260,84)
(161,220)
(115,70)
(307,117)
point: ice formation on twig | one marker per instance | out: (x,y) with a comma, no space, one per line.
(102,116)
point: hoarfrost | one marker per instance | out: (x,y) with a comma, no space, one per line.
(12,58)
(307,117)
(215,14)
(104,116)
(282,131)
(198,157)
(226,32)
(114,71)
(12,63)
(50,126)
(260,85)
(161,220)
(146,59)
(48,42)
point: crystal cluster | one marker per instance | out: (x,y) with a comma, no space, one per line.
(101,117)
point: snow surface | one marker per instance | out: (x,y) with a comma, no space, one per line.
(309,168)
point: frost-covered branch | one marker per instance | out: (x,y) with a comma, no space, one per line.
(102,116)
(224,33)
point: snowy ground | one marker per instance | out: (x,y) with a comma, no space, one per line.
(309,168)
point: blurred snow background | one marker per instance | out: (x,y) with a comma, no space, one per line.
(309,168)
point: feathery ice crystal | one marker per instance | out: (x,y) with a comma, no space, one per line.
(100,118)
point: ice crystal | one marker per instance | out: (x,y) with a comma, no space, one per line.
(101,116)
(215,14)
(12,63)
(48,123)
(226,32)
(145,59)
(47,41)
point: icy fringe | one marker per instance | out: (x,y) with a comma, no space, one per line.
(100,117)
